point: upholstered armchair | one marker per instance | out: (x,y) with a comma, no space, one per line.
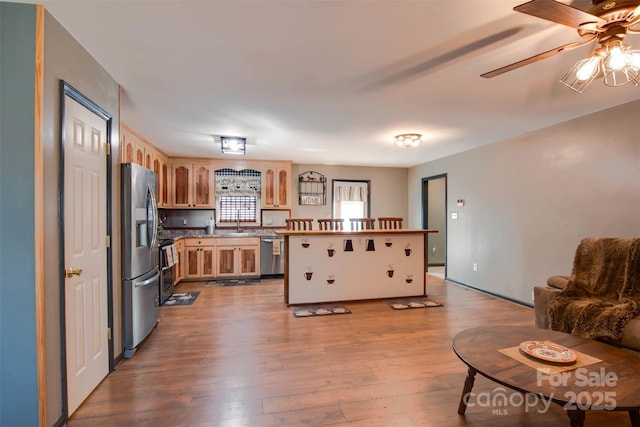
(601,297)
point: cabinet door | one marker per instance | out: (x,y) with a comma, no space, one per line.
(128,150)
(203,189)
(192,262)
(160,168)
(248,261)
(276,188)
(226,261)
(284,186)
(207,255)
(148,159)
(164,192)
(139,156)
(268,187)
(181,180)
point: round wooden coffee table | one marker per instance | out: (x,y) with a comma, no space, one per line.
(608,384)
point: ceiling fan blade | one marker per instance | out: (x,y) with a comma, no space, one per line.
(559,13)
(534,58)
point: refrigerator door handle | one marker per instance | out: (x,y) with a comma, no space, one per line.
(151,200)
(148,281)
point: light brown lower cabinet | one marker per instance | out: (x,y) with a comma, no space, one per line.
(238,257)
(199,258)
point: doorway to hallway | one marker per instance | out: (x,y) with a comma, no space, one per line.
(434,216)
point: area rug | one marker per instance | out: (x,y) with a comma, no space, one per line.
(319,310)
(181,298)
(232,282)
(409,303)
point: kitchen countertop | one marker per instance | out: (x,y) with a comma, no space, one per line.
(177,234)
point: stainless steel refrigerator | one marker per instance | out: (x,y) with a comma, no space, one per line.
(140,271)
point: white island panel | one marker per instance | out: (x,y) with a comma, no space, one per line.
(325,268)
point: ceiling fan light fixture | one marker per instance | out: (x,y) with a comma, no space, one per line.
(580,76)
(233,145)
(620,66)
(408,140)
(588,68)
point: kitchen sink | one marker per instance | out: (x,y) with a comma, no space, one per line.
(238,234)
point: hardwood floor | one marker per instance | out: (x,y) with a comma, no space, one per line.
(237,357)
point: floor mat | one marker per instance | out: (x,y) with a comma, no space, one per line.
(232,282)
(181,298)
(319,310)
(408,303)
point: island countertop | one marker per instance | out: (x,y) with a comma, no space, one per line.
(352,232)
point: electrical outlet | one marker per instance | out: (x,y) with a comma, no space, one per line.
(184,221)
(475,266)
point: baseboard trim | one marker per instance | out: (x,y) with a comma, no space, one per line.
(493,294)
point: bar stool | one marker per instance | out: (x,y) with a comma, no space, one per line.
(390,222)
(362,223)
(331,224)
(299,223)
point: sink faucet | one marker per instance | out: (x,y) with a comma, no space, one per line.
(238,221)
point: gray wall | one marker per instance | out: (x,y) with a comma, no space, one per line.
(65,59)
(388,189)
(531,199)
(18,370)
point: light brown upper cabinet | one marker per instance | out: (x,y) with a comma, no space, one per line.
(276,186)
(192,185)
(132,148)
(161,170)
(136,149)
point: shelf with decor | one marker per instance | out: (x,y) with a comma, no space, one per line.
(312,188)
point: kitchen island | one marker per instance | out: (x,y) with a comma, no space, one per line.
(331,266)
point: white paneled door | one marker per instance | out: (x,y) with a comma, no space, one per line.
(85,254)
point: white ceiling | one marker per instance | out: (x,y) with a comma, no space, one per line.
(332,81)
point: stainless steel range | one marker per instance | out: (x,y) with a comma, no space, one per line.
(168,259)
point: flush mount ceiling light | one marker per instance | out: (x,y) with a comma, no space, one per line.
(606,23)
(408,140)
(233,145)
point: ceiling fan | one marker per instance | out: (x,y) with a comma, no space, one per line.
(607,22)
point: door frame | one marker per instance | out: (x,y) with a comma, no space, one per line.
(425,214)
(66,90)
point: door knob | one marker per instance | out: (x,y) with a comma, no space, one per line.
(74,272)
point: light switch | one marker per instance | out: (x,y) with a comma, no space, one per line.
(454,215)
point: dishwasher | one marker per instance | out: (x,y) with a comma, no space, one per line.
(271,256)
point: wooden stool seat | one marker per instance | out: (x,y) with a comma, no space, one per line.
(389,222)
(362,223)
(331,224)
(299,223)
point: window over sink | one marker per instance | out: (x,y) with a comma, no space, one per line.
(237,195)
